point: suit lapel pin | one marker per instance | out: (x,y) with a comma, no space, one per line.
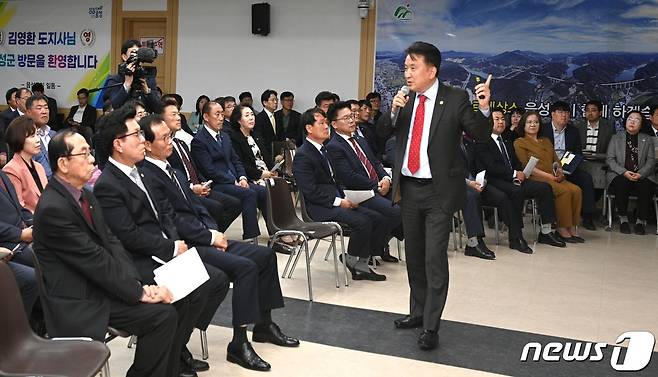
(440,102)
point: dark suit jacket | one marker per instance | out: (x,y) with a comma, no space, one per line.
(84,266)
(370,135)
(648,129)
(314,177)
(246,156)
(606,130)
(488,157)
(192,220)
(5,118)
(571,137)
(53,120)
(130,217)
(217,163)
(88,116)
(118,96)
(12,215)
(453,114)
(348,168)
(294,130)
(263,130)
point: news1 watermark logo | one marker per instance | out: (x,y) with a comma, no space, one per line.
(638,353)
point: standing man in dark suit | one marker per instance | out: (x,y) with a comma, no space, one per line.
(356,168)
(37,89)
(213,153)
(505,174)
(252,268)
(566,137)
(223,208)
(287,120)
(90,281)
(428,179)
(266,127)
(145,225)
(325,200)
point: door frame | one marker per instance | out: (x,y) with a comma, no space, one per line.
(171,38)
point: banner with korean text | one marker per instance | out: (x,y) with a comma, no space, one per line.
(539,51)
(64,44)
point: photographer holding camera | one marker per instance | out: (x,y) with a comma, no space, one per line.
(138,82)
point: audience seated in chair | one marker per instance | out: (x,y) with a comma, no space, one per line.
(37,110)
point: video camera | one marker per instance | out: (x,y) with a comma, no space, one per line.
(143,55)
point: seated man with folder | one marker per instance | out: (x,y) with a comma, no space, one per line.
(357,168)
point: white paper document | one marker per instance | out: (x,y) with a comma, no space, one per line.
(358,196)
(567,158)
(182,274)
(479,178)
(530,166)
(277,165)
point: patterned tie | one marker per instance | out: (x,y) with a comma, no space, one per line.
(86,210)
(501,145)
(364,160)
(413,162)
(172,176)
(219,139)
(194,177)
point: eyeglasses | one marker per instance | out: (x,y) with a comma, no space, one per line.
(346,118)
(85,153)
(138,133)
(168,137)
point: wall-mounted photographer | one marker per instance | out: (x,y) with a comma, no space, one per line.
(138,80)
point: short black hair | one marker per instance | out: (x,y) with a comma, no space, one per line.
(365,102)
(18,130)
(133,103)
(308,117)
(34,98)
(653,109)
(244,95)
(323,96)
(372,95)
(107,107)
(83,91)
(9,93)
(428,51)
(226,99)
(19,92)
(145,125)
(286,95)
(198,101)
(498,109)
(58,148)
(521,128)
(352,102)
(112,126)
(559,105)
(333,110)
(206,107)
(237,114)
(596,103)
(266,95)
(169,101)
(37,87)
(128,44)
(335,97)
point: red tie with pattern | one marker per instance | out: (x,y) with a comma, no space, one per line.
(86,211)
(413,162)
(362,157)
(194,178)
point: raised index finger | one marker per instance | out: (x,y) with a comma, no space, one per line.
(488,82)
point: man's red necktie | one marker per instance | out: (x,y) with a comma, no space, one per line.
(372,174)
(413,162)
(86,211)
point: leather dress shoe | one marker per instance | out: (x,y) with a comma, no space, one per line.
(361,275)
(185,371)
(479,251)
(625,227)
(521,245)
(588,224)
(428,340)
(194,364)
(408,322)
(578,239)
(484,246)
(639,229)
(568,239)
(245,356)
(389,258)
(551,239)
(272,334)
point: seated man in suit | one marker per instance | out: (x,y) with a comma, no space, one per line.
(214,156)
(287,120)
(252,268)
(565,137)
(595,132)
(365,129)
(38,90)
(505,174)
(82,117)
(5,118)
(325,202)
(356,167)
(145,225)
(37,109)
(90,281)
(223,208)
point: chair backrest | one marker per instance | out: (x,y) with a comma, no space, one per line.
(14,328)
(288,157)
(302,205)
(280,207)
(43,293)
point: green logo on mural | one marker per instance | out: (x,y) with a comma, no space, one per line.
(403,12)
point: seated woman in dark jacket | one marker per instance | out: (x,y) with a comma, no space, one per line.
(254,157)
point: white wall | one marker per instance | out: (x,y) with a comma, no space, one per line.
(313,45)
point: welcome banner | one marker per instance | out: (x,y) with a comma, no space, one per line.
(538,51)
(64,44)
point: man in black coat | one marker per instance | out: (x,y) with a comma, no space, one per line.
(266,127)
(252,268)
(287,120)
(90,282)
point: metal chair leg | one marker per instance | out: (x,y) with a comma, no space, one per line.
(105,371)
(496,225)
(308,271)
(400,245)
(459,228)
(294,264)
(609,227)
(333,247)
(204,344)
(454,234)
(132,341)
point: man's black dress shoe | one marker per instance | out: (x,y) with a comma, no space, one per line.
(639,229)
(193,364)
(245,356)
(389,258)
(625,227)
(551,239)
(568,239)
(428,340)
(408,322)
(578,239)
(479,251)
(184,371)
(272,334)
(521,245)
(361,275)
(588,224)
